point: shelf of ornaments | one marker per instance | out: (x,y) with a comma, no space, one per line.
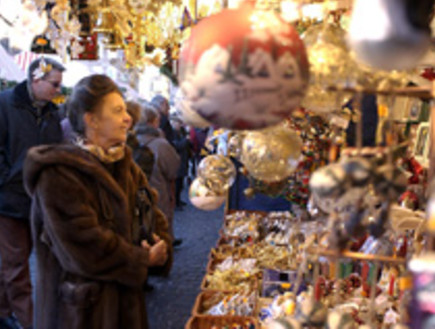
(260,245)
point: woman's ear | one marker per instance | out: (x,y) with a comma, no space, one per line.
(90,120)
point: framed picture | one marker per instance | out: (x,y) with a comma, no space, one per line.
(407,109)
(422,144)
(414,109)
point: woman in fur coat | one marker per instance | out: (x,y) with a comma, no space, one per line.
(92,210)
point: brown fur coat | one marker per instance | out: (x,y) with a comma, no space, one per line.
(89,271)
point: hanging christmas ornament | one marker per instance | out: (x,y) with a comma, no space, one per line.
(330,65)
(390,34)
(202,196)
(235,143)
(328,181)
(271,154)
(245,75)
(218,171)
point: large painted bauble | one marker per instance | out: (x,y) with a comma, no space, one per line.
(243,69)
(271,154)
(202,197)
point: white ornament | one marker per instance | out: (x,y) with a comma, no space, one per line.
(382,36)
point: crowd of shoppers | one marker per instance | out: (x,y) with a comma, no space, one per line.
(93,193)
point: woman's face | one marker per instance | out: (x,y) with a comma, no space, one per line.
(111,121)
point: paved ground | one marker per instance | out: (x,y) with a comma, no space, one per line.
(170,304)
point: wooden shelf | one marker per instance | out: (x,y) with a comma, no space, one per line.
(356,255)
(417,92)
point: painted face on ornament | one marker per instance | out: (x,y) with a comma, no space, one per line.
(242,76)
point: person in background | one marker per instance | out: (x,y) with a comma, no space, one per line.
(197,138)
(28,117)
(95,222)
(369,113)
(161,104)
(166,163)
(142,154)
(182,145)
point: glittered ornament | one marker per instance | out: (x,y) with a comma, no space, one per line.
(218,171)
(202,197)
(390,34)
(330,65)
(248,74)
(328,181)
(235,143)
(272,154)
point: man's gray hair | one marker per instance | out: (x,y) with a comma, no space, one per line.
(149,114)
(55,65)
(161,103)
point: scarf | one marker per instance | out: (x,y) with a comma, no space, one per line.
(115,153)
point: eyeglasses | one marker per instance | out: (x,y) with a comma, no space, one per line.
(54,84)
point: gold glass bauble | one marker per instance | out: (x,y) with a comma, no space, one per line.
(202,197)
(271,154)
(218,171)
(330,65)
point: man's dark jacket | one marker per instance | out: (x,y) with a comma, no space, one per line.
(21,126)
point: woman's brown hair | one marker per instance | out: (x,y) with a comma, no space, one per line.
(86,98)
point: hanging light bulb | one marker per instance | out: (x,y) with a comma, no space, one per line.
(115,41)
(105,22)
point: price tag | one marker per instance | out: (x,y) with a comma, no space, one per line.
(339,121)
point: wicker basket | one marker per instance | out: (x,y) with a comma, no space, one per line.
(206,287)
(213,259)
(221,322)
(232,211)
(207,299)
(213,262)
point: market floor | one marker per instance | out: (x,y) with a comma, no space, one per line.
(171,301)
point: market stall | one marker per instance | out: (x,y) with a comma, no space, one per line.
(324,107)
(353,249)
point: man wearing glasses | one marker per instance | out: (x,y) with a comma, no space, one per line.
(28,117)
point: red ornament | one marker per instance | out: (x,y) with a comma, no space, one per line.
(91,48)
(243,69)
(428,73)
(409,199)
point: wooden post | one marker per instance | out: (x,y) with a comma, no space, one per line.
(431,169)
